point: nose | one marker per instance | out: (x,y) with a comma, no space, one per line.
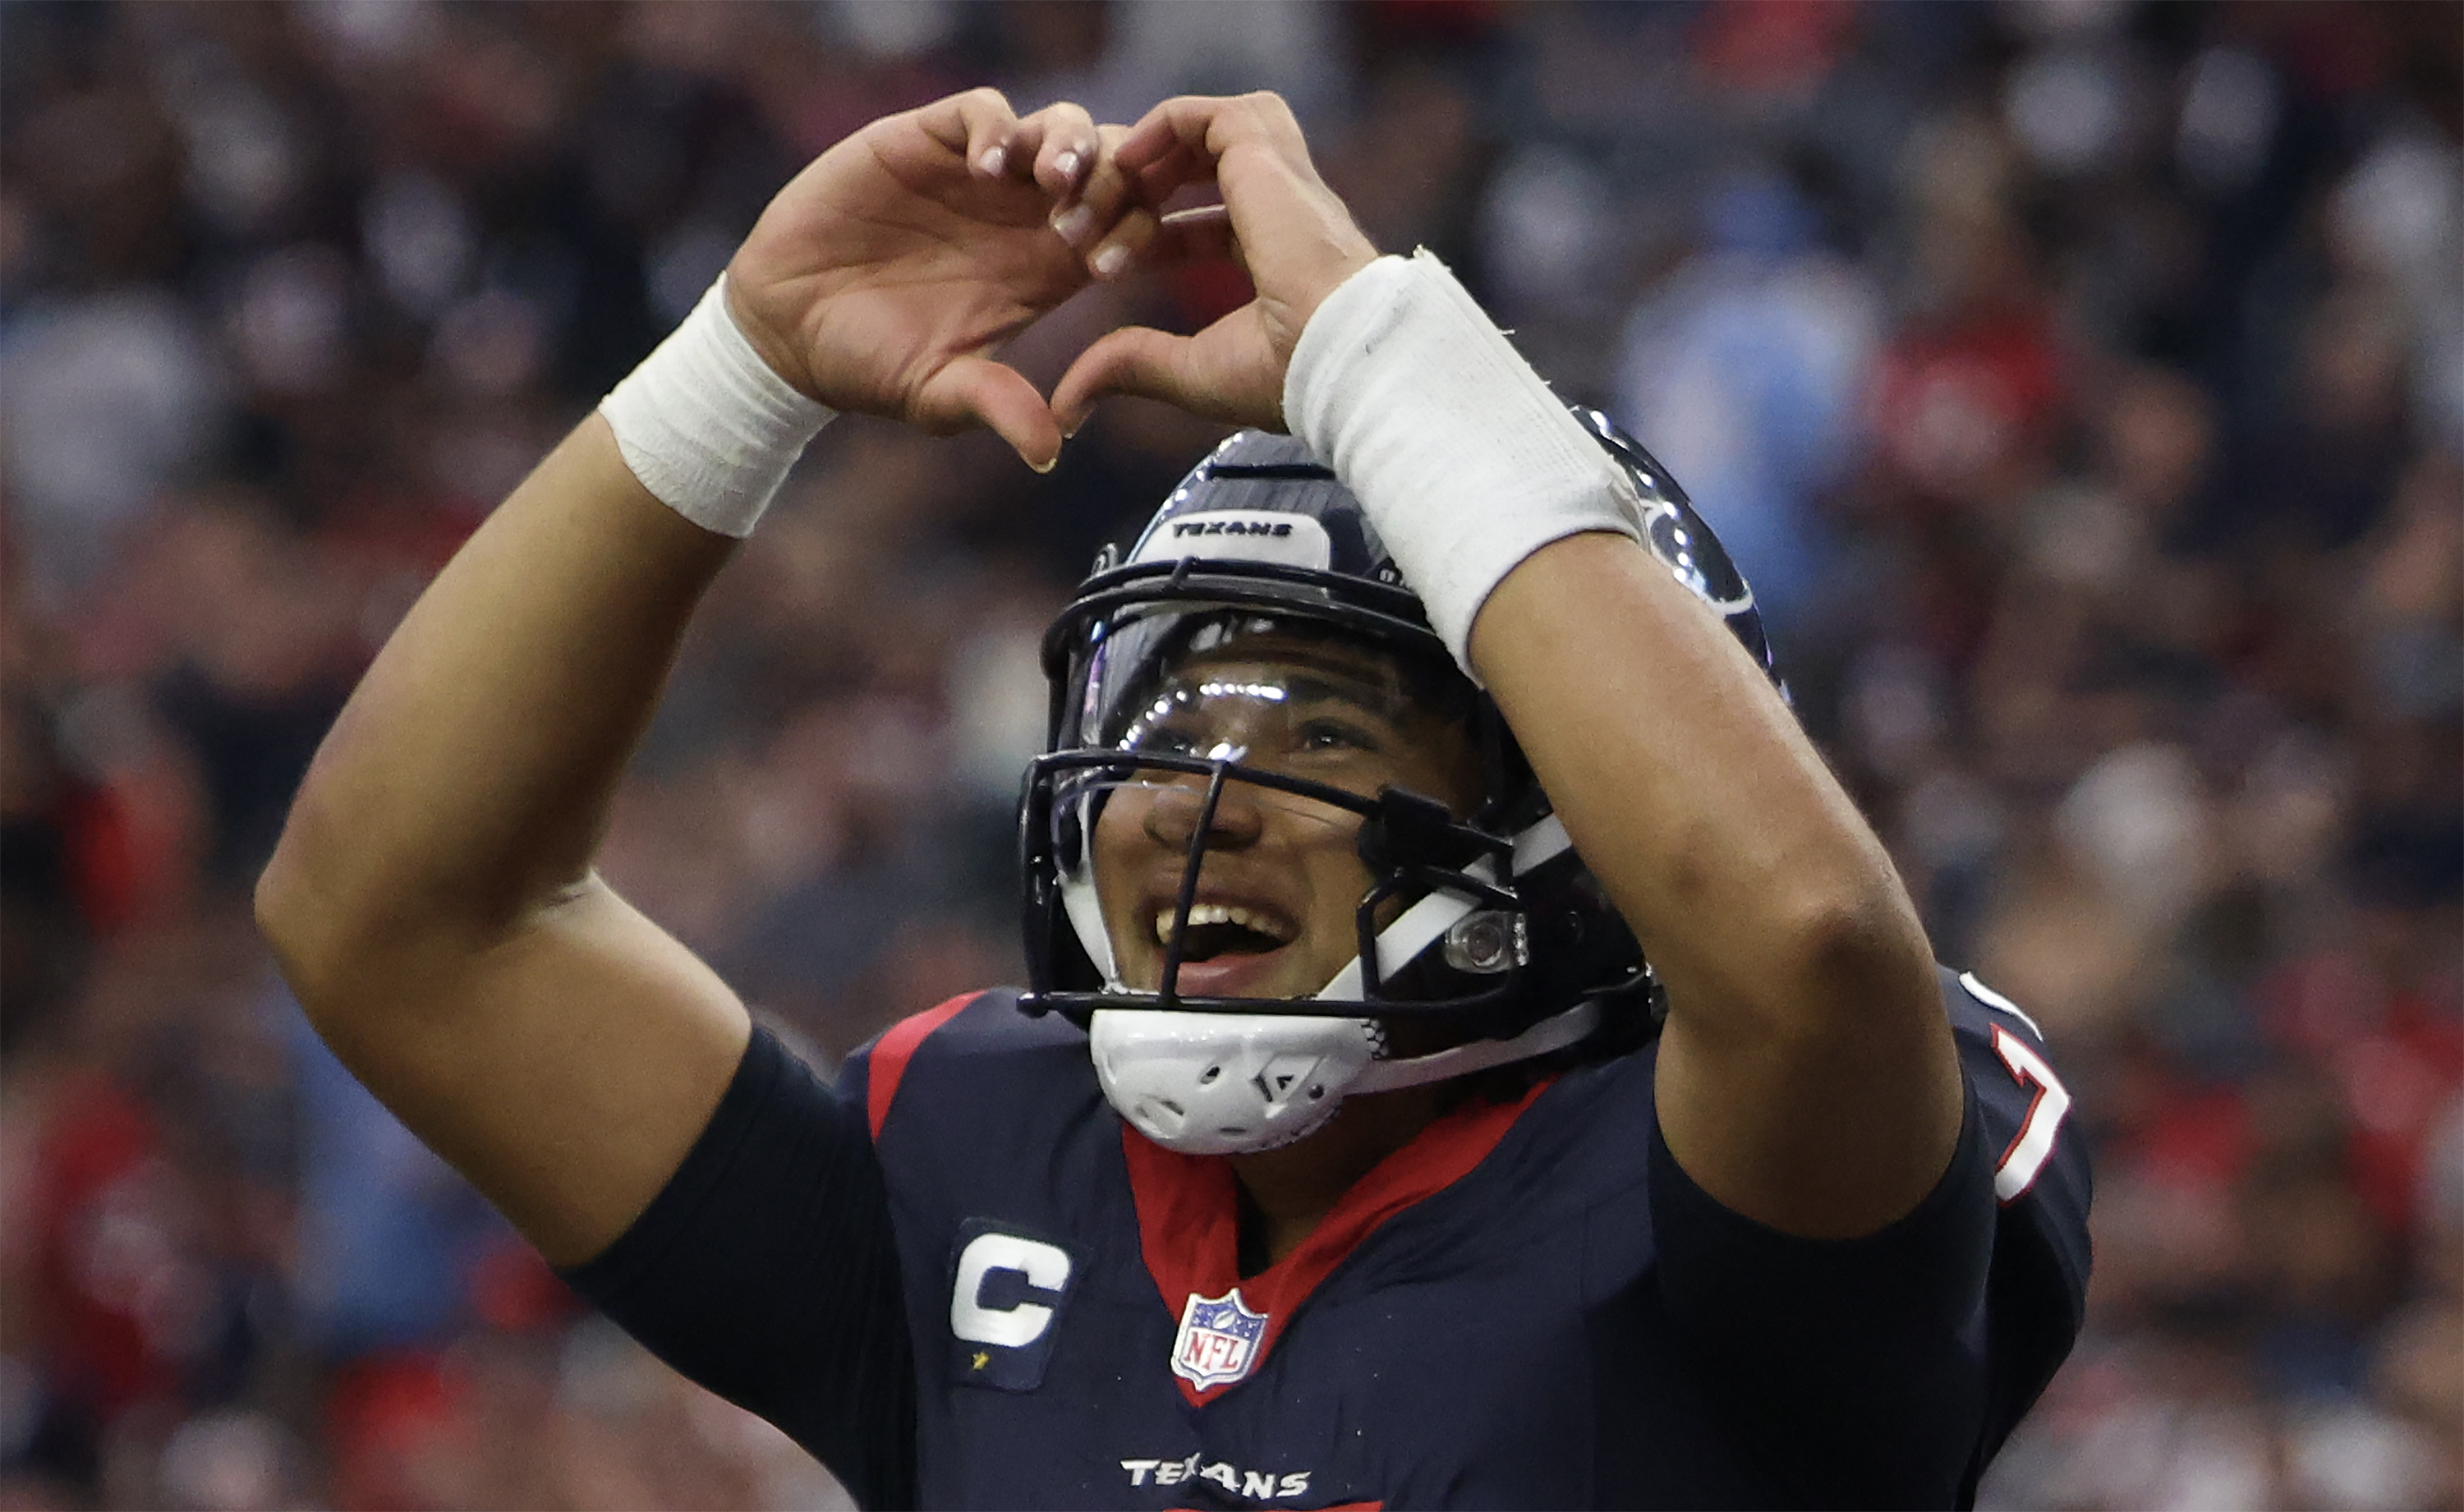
(1237,823)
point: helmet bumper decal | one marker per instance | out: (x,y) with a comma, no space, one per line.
(1256,535)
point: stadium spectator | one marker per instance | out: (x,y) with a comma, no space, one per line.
(2147,509)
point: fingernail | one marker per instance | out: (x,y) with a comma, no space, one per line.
(993,160)
(1068,163)
(1044,466)
(1110,260)
(1074,223)
(1071,433)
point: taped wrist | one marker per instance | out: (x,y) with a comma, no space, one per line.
(1463,458)
(707,426)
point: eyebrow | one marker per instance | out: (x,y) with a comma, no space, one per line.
(1379,702)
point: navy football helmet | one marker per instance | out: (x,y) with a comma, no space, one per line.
(1482,921)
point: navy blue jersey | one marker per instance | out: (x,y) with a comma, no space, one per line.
(958,1279)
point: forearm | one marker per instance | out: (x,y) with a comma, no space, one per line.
(1807,1074)
(468,780)
(1745,871)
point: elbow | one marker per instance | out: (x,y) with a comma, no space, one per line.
(1849,968)
(329,907)
(1802,941)
(293,904)
(1853,952)
(1799,954)
(355,916)
(1797,924)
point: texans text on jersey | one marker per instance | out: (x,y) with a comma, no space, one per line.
(1257,1485)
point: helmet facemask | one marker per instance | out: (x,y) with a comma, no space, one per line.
(1252,766)
(1265,834)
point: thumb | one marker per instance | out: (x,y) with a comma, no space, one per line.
(1133,359)
(1217,375)
(976,390)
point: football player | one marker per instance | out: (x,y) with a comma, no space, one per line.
(1475,1054)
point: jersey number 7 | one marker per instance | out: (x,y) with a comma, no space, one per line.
(2034,1144)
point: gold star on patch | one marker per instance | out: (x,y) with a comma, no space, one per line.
(983,1357)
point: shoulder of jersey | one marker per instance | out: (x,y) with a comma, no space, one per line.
(2026,1106)
(977,1023)
(976,1044)
(1976,1009)
(988,1022)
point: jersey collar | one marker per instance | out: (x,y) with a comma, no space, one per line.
(1189,1216)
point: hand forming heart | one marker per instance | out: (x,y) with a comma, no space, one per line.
(884,275)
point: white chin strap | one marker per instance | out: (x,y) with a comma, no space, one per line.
(1555,1033)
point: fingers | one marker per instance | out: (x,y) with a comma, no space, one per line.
(1105,181)
(976,390)
(1123,245)
(1093,217)
(1062,150)
(1104,189)
(1179,141)
(1138,233)
(1099,205)
(1143,239)
(1057,148)
(976,124)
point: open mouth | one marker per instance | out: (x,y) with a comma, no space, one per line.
(1218,929)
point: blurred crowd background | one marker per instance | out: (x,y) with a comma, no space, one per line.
(2080,382)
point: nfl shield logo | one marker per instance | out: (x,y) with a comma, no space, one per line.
(1218,1340)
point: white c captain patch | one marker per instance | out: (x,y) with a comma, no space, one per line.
(1238,535)
(1042,1266)
(1218,1340)
(1007,1292)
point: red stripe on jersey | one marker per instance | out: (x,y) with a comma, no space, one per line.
(891,1052)
(1189,1217)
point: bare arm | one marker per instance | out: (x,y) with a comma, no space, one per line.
(432,900)
(1807,1074)
(1807,1078)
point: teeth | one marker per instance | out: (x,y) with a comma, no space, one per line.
(1220,914)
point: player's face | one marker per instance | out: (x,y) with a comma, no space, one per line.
(1281,882)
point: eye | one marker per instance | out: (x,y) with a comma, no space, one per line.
(1163,739)
(1326,732)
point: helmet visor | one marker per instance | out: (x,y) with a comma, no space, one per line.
(1283,694)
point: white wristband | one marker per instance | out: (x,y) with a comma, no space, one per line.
(707,426)
(1465,460)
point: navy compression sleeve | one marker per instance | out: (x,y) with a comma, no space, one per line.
(1850,1366)
(765,1271)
